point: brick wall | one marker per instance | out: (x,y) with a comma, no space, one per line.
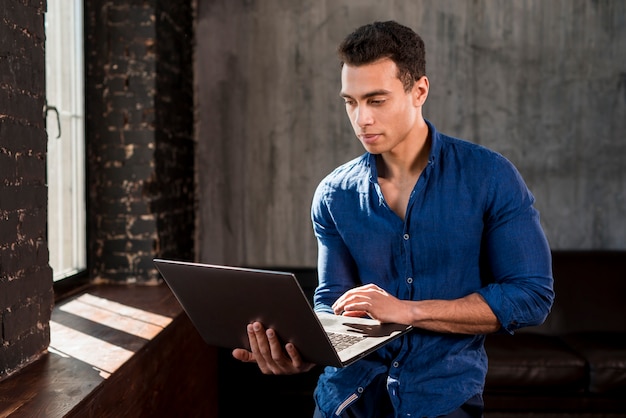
(26,296)
(139,136)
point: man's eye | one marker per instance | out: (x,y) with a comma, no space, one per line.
(349,102)
(377,102)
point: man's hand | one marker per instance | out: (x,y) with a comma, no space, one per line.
(467,315)
(268,353)
(370,300)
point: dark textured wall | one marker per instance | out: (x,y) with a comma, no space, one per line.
(26,296)
(542,82)
(139,136)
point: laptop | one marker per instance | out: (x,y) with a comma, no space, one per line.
(221,301)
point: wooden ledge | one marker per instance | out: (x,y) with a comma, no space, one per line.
(116,349)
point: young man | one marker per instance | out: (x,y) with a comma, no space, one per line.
(422,229)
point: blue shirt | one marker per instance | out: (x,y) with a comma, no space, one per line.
(470,226)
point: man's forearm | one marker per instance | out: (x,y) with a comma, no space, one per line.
(467,315)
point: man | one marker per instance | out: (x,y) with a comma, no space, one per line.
(422,229)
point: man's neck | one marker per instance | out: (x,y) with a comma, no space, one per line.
(408,160)
(399,170)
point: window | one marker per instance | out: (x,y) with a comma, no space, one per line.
(66,139)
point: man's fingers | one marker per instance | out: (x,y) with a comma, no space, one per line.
(294,355)
(358,314)
(258,342)
(266,350)
(243,355)
(280,363)
(275,346)
(362,294)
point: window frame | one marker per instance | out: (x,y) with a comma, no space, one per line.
(75,273)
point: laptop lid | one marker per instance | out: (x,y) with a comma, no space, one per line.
(221,300)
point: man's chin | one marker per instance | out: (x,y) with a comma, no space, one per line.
(372,148)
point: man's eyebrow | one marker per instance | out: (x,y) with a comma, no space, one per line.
(367,95)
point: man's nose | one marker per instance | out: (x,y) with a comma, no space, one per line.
(363,116)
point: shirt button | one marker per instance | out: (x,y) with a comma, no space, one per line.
(360,390)
(396,364)
(406,237)
(409,280)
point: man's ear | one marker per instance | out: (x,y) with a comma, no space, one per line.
(420,91)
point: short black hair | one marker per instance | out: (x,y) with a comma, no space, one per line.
(379,40)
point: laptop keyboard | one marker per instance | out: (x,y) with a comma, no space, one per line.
(343,341)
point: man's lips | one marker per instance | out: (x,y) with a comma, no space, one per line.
(368,138)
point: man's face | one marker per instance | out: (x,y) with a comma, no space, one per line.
(382,114)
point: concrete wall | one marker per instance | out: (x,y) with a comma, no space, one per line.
(542,82)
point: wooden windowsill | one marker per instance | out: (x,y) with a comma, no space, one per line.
(109,333)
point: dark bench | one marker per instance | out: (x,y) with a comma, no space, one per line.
(574,363)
